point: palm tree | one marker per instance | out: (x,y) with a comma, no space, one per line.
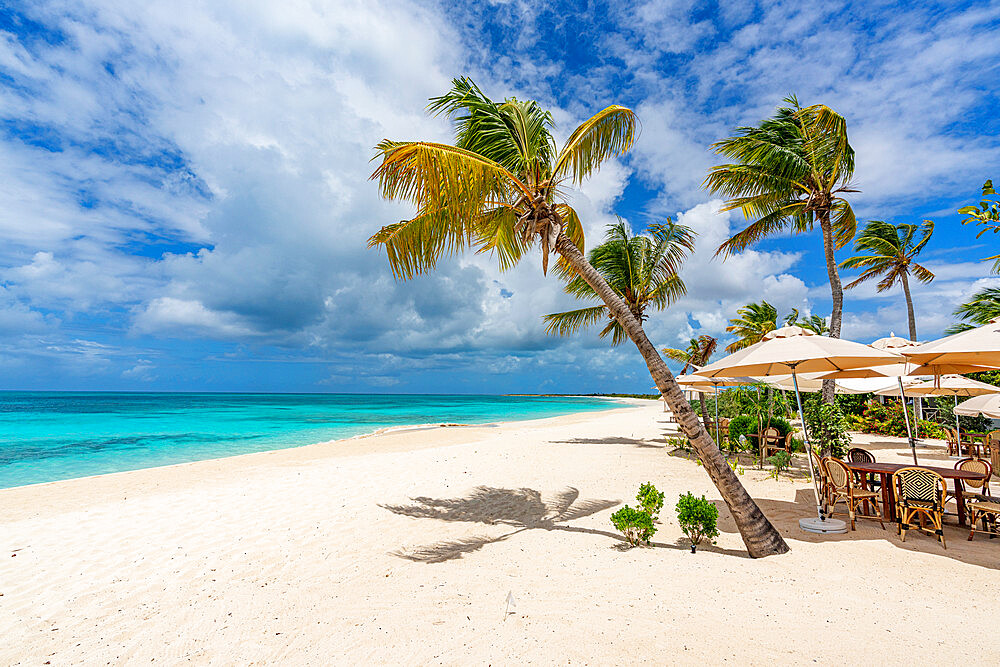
(497,190)
(753,321)
(983,307)
(815,323)
(891,251)
(987,214)
(790,172)
(642,271)
(698,353)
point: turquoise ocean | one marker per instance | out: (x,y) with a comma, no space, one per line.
(48,436)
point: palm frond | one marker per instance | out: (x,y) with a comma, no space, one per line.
(568,323)
(608,133)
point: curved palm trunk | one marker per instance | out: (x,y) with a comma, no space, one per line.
(909,308)
(701,404)
(758,534)
(836,292)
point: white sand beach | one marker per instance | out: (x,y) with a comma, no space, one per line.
(403,547)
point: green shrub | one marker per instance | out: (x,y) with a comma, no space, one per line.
(747,425)
(650,500)
(827,427)
(697,517)
(635,524)
(929,429)
(780,461)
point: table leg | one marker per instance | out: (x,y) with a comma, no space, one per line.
(960,499)
(888,505)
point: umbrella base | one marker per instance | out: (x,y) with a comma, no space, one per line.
(817,525)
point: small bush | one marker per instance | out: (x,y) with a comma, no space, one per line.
(827,427)
(747,425)
(635,524)
(650,500)
(697,517)
(780,461)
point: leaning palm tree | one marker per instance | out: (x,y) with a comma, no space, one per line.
(815,323)
(498,190)
(982,308)
(642,271)
(891,254)
(753,321)
(697,354)
(790,172)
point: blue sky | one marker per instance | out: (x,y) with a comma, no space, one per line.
(186,203)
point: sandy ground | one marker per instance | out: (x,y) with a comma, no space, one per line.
(403,548)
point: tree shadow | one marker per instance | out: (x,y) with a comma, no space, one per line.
(785,515)
(612,440)
(522,509)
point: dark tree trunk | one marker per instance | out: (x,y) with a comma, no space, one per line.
(909,308)
(701,404)
(760,537)
(836,291)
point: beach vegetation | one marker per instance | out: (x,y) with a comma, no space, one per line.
(635,524)
(650,500)
(890,253)
(827,427)
(698,517)
(698,353)
(500,190)
(982,308)
(789,173)
(641,269)
(987,215)
(779,463)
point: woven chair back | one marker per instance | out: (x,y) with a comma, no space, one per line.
(949,436)
(919,484)
(975,465)
(995,461)
(993,438)
(817,462)
(858,455)
(839,474)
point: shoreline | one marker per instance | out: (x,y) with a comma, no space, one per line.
(390,439)
(384,430)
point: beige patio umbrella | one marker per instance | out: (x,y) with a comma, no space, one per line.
(953,385)
(965,352)
(987,405)
(794,350)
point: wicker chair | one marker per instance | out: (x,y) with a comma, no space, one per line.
(992,441)
(771,440)
(920,492)
(843,487)
(821,478)
(951,439)
(858,455)
(978,488)
(985,510)
(995,461)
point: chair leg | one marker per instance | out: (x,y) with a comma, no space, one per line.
(972,524)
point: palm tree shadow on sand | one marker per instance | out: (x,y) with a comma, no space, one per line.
(521,509)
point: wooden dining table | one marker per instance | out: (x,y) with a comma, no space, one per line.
(885,470)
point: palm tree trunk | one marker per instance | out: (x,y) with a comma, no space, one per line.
(909,308)
(759,536)
(836,291)
(701,404)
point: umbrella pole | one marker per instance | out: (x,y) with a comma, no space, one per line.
(906,418)
(958,429)
(805,435)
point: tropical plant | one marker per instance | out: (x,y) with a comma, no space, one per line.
(986,214)
(779,462)
(788,173)
(650,500)
(698,518)
(635,524)
(642,271)
(815,323)
(891,252)
(827,428)
(498,190)
(982,308)
(698,353)
(752,323)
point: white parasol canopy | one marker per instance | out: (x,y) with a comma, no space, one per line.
(965,352)
(987,405)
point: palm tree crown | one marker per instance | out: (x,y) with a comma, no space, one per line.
(641,269)
(789,172)
(753,321)
(497,188)
(891,251)
(697,354)
(983,307)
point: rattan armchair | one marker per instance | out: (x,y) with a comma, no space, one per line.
(771,440)
(843,487)
(920,493)
(985,510)
(951,439)
(992,441)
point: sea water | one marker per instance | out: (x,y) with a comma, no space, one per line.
(47,436)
